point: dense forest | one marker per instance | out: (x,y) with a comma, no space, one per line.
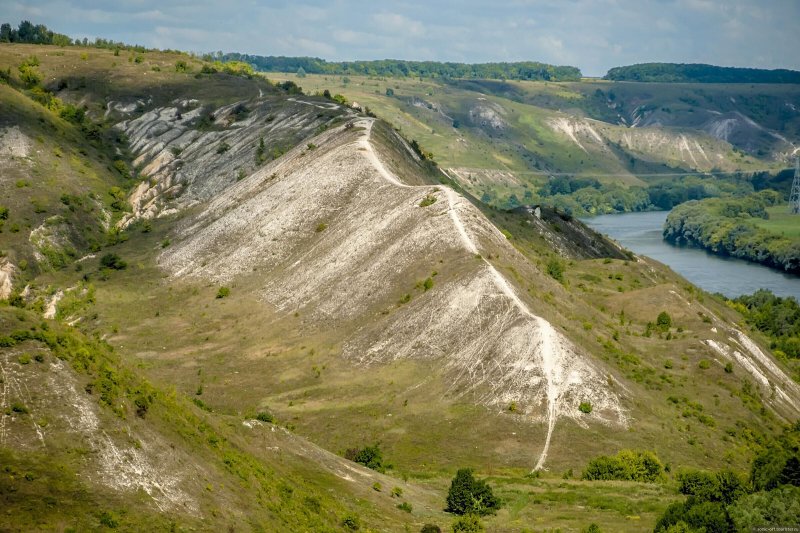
(30,33)
(724,500)
(699,73)
(587,196)
(526,70)
(726,226)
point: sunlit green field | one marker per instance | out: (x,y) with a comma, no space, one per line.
(781,221)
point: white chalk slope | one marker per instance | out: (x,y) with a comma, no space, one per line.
(377,239)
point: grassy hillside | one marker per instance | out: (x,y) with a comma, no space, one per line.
(271,312)
(503,140)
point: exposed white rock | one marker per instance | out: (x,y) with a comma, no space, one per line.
(493,347)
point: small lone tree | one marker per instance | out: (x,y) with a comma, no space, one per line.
(664,321)
(369,456)
(468,495)
(113,261)
(301,72)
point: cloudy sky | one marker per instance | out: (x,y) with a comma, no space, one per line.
(591,34)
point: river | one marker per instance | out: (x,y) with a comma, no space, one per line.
(641,233)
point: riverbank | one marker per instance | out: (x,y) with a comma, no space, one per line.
(642,234)
(739,227)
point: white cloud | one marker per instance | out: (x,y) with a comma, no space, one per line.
(591,34)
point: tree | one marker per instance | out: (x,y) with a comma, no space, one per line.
(791,472)
(113,261)
(664,321)
(261,151)
(369,456)
(468,495)
(774,508)
(301,73)
(5,32)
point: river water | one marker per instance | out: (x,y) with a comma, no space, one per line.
(641,233)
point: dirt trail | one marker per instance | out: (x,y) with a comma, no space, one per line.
(550,348)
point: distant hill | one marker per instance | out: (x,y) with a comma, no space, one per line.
(699,73)
(525,70)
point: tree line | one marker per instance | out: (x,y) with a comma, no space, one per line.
(586,196)
(30,33)
(699,73)
(523,70)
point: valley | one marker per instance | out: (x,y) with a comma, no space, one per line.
(501,140)
(216,285)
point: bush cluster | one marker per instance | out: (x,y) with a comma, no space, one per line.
(470,496)
(627,465)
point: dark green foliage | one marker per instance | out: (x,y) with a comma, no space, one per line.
(122,167)
(777,317)
(779,507)
(664,321)
(528,70)
(724,486)
(264,416)
(587,196)
(181,66)
(113,261)
(223,292)
(351,523)
(468,495)
(118,202)
(417,149)
(777,464)
(240,112)
(261,152)
(719,501)
(369,456)
(19,408)
(205,119)
(790,475)
(109,520)
(555,269)
(425,285)
(3,213)
(405,506)
(290,87)
(627,465)
(699,73)
(142,401)
(430,528)
(724,226)
(585,407)
(697,515)
(470,523)
(29,33)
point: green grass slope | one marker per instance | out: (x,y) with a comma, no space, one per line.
(205,362)
(507,137)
